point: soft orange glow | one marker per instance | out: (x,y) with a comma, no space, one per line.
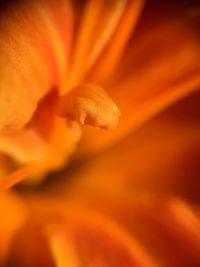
(99,133)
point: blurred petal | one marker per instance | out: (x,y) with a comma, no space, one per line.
(154,231)
(159,67)
(168,229)
(29,248)
(116,47)
(161,157)
(13,215)
(88,238)
(33,66)
(99,29)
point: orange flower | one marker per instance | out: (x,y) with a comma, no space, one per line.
(124,197)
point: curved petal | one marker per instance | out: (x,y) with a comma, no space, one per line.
(130,230)
(81,236)
(160,66)
(29,59)
(168,229)
(33,66)
(97,31)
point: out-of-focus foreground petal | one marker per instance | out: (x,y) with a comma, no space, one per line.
(13,215)
(107,230)
(168,229)
(71,235)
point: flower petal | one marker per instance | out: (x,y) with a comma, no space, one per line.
(159,67)
(13,215)
(96,30)
(168,229)
(32,62)
(88,238)
(161,157)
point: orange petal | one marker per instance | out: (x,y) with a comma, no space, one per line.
(29,247)
(116,46)
(13,215)
(174,232)
(62,143)
(30,59)
(167,228)
(88,238)
(33,65)
(156,71)
(98,23)
(161,157)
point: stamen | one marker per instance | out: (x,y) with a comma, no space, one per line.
(16,177)
(89,104)
(22,173)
